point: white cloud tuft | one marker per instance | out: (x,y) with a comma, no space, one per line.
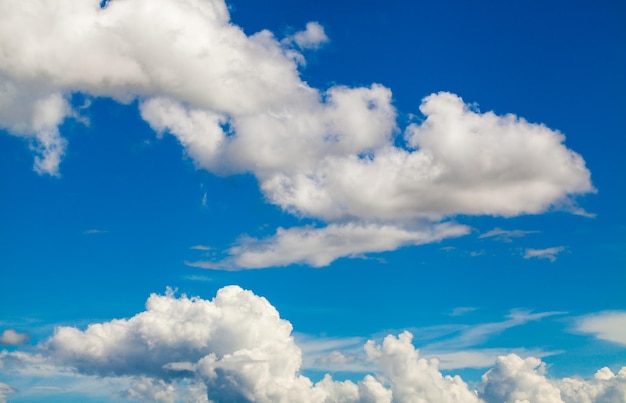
(10,337)
(547,253)
(609,326)
(311,38)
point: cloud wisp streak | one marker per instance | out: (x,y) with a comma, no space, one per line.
(609,326)
(547,253)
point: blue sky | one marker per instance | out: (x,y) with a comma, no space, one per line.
(450,169)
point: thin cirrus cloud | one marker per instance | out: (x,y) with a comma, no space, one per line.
(609,326)
(547,253)
(455,346)
(236,347)
(505,235)
(238,104)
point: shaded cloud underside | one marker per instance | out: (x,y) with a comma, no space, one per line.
(237,348)
(236,103)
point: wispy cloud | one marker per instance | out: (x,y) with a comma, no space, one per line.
(474,335)
(319,247)
(201,247)
(198,278)
(547,253)
(95,231)
(505,235)
(462,310)
(480,357)
(609,326)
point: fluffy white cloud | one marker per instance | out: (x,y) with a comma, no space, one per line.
(610,326)
(173,334)
(10,337)
(415,379)
(312,37)
(547,253)
(320,246)
(237,348)
(236,103)
(604,387)
(517,380)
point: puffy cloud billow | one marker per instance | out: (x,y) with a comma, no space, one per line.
(237,103)
(237,348)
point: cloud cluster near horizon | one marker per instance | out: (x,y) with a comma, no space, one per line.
(237,348)
(236,103)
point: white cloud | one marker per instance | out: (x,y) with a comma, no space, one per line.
(177,330)
(311,38)
(515,379)
(465,336)
(237,348)
(604,387)
(201,247)
(236,103)
(547,253)
(147,389)
(320,246)
(415,379)
(505,235)
(609,326)
(10,337)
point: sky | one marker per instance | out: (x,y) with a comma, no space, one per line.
(312,201)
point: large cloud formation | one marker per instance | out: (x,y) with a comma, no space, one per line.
(236,103)
(237,348)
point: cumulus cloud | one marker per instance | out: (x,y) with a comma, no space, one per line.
(605,386)
(609,326)
(11,337)
(312,37)
(236,103)
(515,380)
(547,253)
(413,378)
(237,348)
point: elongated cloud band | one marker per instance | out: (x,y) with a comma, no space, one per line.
(236,103)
